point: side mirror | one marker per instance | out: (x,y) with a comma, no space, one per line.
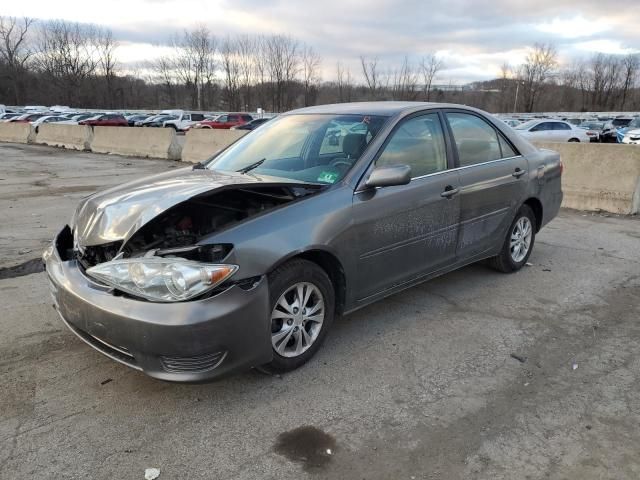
(389,176)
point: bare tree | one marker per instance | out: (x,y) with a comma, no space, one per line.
(68,56)
(371,74)
(538,68)
(231,73)
(283,66)
(310,74)
(246,52)
(108,62)
(430,65)
(344,83)
(404,83)
(15,51)
(630,67)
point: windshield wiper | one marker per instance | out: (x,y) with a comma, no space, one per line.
(248,168)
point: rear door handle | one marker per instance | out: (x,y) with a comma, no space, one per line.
(449,191)
(519,172)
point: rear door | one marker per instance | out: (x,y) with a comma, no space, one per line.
(562,132)
(405,232)
(543,132)
(493,178)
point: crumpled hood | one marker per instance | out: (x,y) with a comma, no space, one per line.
(117,213)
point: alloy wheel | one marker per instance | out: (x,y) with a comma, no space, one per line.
(521,239)
(296,319)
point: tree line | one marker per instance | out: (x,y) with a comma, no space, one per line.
(61,62)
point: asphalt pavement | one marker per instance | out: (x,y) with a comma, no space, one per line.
(475,374)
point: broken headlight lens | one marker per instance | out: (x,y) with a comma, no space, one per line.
(161,279)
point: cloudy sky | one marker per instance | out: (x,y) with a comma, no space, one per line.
(474,37)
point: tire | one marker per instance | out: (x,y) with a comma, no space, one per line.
(507,261)
(287,328)
(574,140)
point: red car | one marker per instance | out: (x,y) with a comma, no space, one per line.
(225,121)
(26,118)
(106,120)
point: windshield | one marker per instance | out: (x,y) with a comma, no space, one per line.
(526,125)
(621,122)
(635,123)
(593,125)
(308,148)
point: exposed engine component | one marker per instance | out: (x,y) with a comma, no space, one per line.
(176,231)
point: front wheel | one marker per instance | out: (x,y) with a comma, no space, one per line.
(302,309)
(518,245)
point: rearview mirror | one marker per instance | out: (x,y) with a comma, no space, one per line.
(389,176)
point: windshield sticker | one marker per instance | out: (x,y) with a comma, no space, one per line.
(328,177)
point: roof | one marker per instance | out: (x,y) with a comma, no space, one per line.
(386,109)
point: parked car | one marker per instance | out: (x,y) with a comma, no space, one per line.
(26,117)
(106,120)
(226,121)
(552,131)
(594,130)
(157,121)
(46,119)
(512,122)
(132,119)
(141,123)
(252,125)
(8,116)
(76,119)
(246,259)
(631,134)
(610,131)
(184,121)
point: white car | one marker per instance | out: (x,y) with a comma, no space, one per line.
(184,121)
(631,135)
(549,130)
(76,119)
(46,119)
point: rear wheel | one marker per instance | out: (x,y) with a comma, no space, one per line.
(518,245)
(302,309)
(574,140)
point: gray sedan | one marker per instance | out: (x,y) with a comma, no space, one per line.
(246,259)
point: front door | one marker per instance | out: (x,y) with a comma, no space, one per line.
(407,231)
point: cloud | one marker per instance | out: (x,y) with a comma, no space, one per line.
(474,36)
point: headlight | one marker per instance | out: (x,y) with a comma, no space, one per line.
(161,279)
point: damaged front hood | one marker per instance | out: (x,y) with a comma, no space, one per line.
(117,213)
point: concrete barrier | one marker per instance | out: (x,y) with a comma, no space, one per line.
(73,137)
(139,142)
(201,143)
(600,176)
(17,132)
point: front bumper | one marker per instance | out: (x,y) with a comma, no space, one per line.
(190,341)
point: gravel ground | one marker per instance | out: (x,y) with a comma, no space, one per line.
(472,375)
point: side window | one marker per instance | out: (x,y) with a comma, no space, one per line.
(419,143)
(222,119)
(561,126)
(476,140)
(196,117)
(507,150)
(542,127)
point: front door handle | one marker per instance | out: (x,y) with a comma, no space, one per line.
(519,172)
(449,191)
